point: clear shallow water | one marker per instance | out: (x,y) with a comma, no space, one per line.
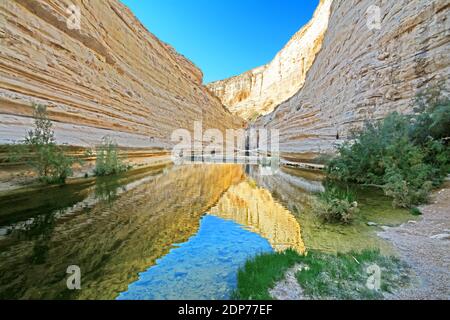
(145,235)
(202,268)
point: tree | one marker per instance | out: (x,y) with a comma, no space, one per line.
(108,161)
(48,160)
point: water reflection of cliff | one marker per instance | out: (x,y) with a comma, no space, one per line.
(111,240)
(290,187)
(255,209)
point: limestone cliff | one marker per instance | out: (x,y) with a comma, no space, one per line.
(110,77)
(258,91)
(364,73)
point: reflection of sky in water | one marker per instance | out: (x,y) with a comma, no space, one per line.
(205,267)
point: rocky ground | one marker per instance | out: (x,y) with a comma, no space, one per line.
(16,177)
(289,288)
(425,246)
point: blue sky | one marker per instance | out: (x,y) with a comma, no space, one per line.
(224,37)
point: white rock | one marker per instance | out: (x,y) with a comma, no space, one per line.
(442,236)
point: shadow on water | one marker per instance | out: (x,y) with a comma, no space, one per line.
(143,233)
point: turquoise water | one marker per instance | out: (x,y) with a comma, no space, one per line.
(205,267)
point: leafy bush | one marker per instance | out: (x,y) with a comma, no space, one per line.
(107,159)
(40,151)
(405,154)
(334,206)
(432,117)
(406,193)
(416,211)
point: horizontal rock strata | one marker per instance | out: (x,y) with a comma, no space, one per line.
(365,73)
(260,90)
(110,77)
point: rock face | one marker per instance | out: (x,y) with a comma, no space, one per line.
(258,91)
(363,73)
(110,77)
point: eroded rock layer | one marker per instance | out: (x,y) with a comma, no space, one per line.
(258,91)
(364,73)
(110,77)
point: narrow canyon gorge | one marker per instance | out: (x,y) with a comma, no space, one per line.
(338,72)
(113,77)
(111,187)
(258,91)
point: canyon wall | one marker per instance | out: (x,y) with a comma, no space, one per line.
(110,77)
(259,91)
(364,73)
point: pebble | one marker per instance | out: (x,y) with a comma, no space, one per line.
(442,236)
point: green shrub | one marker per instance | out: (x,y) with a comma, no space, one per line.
(404,192)
(332,192)
(334,206)
(107,159)
(405,154)
(416,211)
(40,151)
(432,117)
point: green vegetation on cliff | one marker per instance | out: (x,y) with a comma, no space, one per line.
(40,152)
(108,161)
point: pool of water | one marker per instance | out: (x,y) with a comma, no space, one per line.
(178,232)
(204,267)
